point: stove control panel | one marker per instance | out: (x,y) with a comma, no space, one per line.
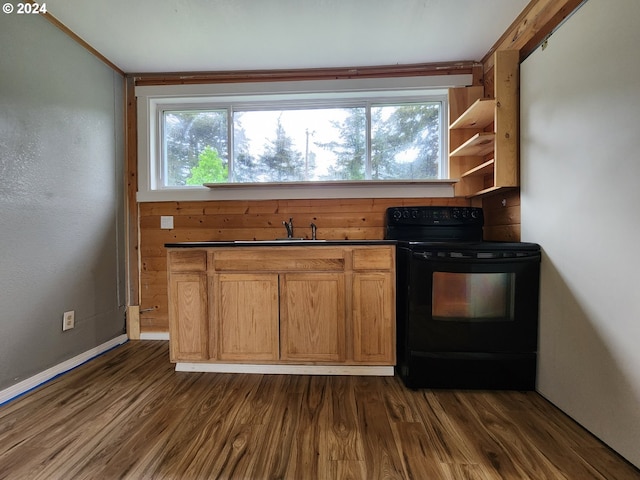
(430,215)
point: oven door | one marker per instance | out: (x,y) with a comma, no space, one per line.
(463,304)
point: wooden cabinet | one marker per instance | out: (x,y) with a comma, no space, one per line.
(312,317)
(483,131)
(373,306)
(373,336)
(283,305)
(188,298)
(245,324)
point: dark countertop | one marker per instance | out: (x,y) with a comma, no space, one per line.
(278,243)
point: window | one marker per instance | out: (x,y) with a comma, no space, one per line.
(296,145)
(397,141)
(324,132)
(194,147)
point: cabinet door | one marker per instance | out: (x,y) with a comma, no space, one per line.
(246,319)
(373,318)
(188,316)
(312,317)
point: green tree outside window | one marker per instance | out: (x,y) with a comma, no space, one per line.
(210,168)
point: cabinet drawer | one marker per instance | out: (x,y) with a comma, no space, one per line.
(188,261)
(373,258)
(281,259)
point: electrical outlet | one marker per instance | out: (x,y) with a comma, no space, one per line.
(68,320)
(166,222)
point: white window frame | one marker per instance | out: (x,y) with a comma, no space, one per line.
(153,100)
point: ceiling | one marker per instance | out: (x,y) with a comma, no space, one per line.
(220,35)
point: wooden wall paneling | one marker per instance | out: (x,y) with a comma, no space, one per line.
(132,257)
(502,216)
(246,220)
(461,98)
(478,74)
(489,85)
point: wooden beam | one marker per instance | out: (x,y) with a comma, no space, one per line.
(529,29)
(426,69)
(131,187)
(80,40)
(133,322)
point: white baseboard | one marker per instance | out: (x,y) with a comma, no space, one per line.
(30,383)
(154,335)
(380,371)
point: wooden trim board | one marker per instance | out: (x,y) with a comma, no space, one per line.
(378,371)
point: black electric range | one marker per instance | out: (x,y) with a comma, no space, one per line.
(467,310)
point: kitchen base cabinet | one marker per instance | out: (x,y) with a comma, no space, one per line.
(373,314)
(246,317)
(188,308)
(312,317)
(318,309)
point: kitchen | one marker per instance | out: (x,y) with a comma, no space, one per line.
(588,364)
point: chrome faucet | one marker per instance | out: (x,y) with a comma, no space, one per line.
(289,226)
(314,229)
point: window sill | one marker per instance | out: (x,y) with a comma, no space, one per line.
(304,190)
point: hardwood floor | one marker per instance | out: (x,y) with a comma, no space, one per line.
(128,414)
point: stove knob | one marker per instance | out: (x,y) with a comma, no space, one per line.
(397,214)
(474,213)
(405,214)
(414,214)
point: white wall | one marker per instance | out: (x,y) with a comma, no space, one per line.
(61,198)
(580,155)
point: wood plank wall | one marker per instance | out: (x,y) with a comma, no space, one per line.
(502,216)
(249,220)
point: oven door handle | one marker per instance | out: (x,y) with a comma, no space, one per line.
(424,257)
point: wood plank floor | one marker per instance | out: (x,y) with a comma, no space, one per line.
(128,414)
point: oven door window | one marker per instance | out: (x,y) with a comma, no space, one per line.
(473,297)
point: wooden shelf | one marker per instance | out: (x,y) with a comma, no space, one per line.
(479,115)
(488,161)
(488,191)
(485,168)
(477,146)
(484,192)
